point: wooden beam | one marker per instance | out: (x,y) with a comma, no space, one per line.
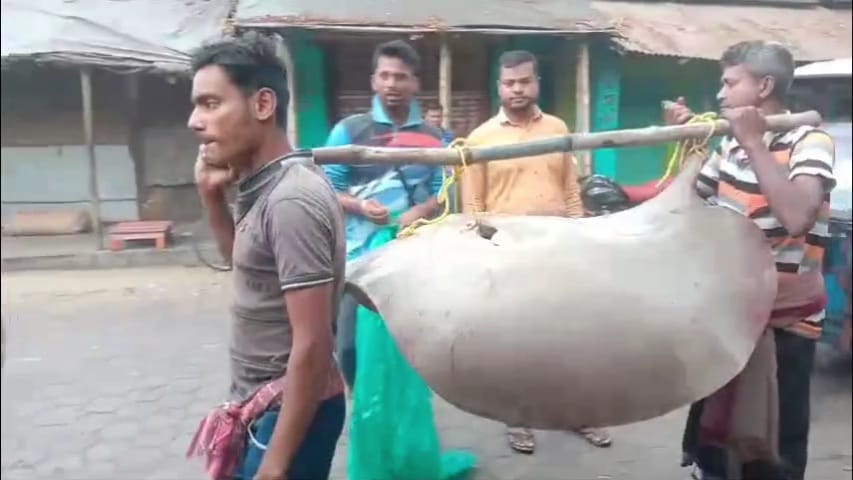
(89,135)
(582,112)
(361,155)
(286,55)
(445,82)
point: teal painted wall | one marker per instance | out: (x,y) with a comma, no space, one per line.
(313,123)
(645,82)
(627,92)
(605,95)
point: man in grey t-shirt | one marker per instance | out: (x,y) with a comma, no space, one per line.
(287,247)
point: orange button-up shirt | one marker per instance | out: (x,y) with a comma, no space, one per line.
(541,185)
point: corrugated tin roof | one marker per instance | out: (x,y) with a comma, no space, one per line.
(704,31)
(110,33)
(423,15)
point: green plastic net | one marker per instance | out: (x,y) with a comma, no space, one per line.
(393,435)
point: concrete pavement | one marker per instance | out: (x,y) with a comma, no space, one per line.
(108,373)
(79,252)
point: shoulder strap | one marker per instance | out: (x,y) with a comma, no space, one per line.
(410,193)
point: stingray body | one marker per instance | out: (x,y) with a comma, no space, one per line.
(556,323)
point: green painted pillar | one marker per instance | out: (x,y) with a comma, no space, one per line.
(606,89)
(312,104)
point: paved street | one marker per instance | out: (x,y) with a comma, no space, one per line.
(108,373)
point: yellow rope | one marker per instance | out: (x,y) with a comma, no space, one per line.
(676,160)
(684,148)
(447,182)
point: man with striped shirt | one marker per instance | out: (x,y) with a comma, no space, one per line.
(782,182)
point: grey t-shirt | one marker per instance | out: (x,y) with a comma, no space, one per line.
(289,234)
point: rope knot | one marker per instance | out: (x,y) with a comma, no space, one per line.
(447,182)
(689,146)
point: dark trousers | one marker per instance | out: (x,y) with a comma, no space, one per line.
(345,338)
(795,360)
(313,460)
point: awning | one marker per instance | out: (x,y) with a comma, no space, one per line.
(704,31)
(128,34)
(485,16)
(840,68)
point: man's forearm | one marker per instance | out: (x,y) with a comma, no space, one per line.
(574,203)
(574,206)
(221,222)
(785,199)
(473,189)
(428,208)
(307,379)
(350,204)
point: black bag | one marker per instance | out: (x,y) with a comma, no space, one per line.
(601,195)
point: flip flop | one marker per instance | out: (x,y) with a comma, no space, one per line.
(595,437)
(521,440)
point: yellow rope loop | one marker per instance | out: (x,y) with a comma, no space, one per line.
(447,182)
(687,147)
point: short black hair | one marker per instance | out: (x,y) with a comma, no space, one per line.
(400,50)
(514,58)
(432,105)
(251,62)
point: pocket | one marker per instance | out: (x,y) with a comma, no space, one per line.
(257,439)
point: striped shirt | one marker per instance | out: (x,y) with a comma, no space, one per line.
(729,180)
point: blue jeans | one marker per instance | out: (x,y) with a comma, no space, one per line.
(313,461)
(345,338)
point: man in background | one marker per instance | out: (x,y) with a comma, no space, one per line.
(434,116)
(541,185)
(374,196)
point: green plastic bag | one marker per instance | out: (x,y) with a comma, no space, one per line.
(393,434)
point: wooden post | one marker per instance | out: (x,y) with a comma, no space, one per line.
(89,134)
(445,82)
(134,143)
(582,112)
(445,98)
(287,58)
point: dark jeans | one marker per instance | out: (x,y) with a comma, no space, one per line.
(345,338)
(795,359)
(313,461)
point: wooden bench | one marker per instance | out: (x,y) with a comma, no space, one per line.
(159,231)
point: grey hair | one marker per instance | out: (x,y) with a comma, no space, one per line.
(763,59)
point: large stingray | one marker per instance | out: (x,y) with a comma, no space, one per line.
(558,323)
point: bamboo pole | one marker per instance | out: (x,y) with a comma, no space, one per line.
(362,155)
(89,134)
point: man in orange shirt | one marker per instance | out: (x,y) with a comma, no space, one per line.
(542,185)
